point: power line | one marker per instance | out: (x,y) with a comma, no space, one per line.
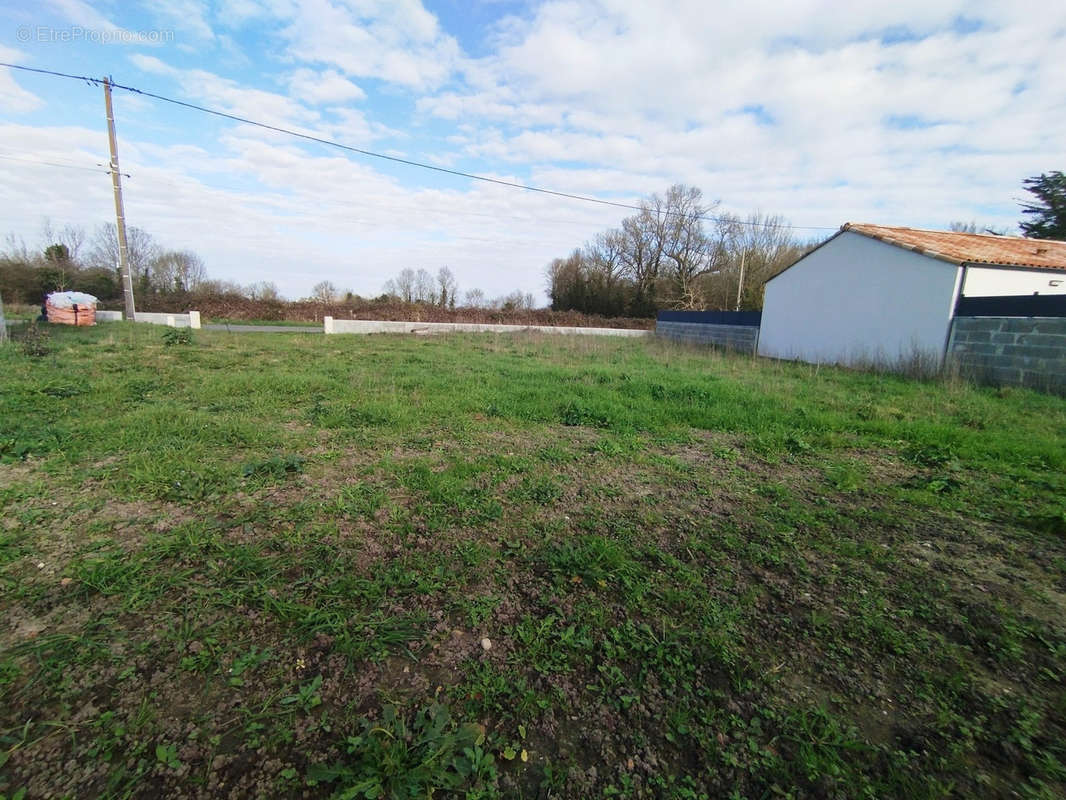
(396,159)
(50,163)
(428,210)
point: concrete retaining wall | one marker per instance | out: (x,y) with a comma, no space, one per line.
(189,320)
(377,326)
(1019,351)
(744,338)
(109,316)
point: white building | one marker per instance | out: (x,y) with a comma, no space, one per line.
(874,293)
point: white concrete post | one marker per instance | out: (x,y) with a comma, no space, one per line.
(327,324)
(170,321)
(194,320)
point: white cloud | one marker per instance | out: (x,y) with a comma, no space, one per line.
(774,105)
(327,86)
(12,96)
(97,27)
(351,126)
(153,65)
(235,13)
(188,16)
(11,55)
(396,41)
(223,94)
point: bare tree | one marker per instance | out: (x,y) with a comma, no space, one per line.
(71,237)
(162,271)
(262,290)
(516,300)
(402,286)
(324,292)
(48,233)
(425,290)
(177,271)
(759,246)
(419,287)
(973,227)
(448,288)
(688,250)
(678,250)
(644,237)
(222,287)
(474,298)
(140,246)
(604,256)
(15,250)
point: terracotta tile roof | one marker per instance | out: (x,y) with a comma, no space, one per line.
(969,248)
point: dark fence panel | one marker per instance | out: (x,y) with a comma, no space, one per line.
(1026,305)
(747,318)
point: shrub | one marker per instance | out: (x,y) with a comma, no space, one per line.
(34,341)
(177,336)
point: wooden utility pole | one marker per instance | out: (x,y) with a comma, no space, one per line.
(120,214)
(740,286)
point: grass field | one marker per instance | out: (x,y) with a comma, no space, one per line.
(20,311)
(265,566)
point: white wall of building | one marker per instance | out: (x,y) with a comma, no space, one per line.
(858,299)
(992,281)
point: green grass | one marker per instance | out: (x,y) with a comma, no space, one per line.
(20,311)
(264,566)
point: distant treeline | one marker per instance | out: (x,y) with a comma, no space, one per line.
(69,260)
(236,306)
(169,280)
(676,252)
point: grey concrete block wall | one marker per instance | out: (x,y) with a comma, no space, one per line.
(1018,351)
(744,338)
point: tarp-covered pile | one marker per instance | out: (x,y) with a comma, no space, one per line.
(71,308)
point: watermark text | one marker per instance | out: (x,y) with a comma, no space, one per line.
(46,34)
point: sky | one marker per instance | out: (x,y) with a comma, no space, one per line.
(915,112)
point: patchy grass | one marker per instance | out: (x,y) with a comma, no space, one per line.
(265,566)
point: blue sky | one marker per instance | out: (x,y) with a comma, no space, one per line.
(909,113)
